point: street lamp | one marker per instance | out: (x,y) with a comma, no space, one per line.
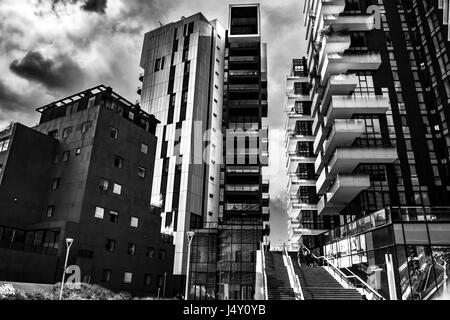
(190,235)
(69,242)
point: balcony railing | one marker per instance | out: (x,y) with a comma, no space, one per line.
(243,73)
(244,59)
(235,87)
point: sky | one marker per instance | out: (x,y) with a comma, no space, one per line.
(50,49)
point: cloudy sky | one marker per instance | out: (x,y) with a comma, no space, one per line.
(53,48)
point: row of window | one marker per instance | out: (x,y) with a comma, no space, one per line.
(114,216)
(110,246)
(128,278)
(4,144)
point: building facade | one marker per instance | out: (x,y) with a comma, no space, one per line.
(379,93)
(212,101)
(90,160)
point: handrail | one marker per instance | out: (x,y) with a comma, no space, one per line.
(264,278)
(291,272)
(344,277)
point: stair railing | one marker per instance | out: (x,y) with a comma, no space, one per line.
(264,278)
(293,277)
(368,290)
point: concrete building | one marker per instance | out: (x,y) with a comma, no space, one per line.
(84,172)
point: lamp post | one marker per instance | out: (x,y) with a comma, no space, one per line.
(190,235)
(69,242)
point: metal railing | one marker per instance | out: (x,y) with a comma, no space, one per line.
(264,278)
(293,277)
(352,280)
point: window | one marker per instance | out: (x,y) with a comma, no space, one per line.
(157,65)
(77,151)
(52,133)
(128,277)
(55,183)
(144,148)
(4,144)
(134,222)
(117,189)
(131,249)
(118,162)
(113,216)
(65,156)
(50,211)
(131,115)
(147,279)
(110,245)
(1,167)
(66,132)
(113,133)
(91,102)
(106,275)
(150,252)
(85,126)
(141,172)
(99,212)
(104,184)
(162,254)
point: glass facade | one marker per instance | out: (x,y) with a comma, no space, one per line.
(418,244)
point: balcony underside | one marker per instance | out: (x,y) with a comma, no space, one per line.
(347,186)
(343,133)
(295,208)
(344,107)
(332,44)
(295,183)
(292,140)
(345,160)
(329,208)
(293,161)
(335,64)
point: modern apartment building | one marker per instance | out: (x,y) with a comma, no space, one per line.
(208,87)
(183,87)
(379,93)
(304,222)
(84,172)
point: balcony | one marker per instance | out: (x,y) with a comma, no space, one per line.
(295,207)
(243,73)
(332,44)
(294,159)
(343,133)
(292,119)
(332,7)
(244,59)
(327,208)
(292,139)
(265,213)
(266,198)
(350,23)
(345,160)
(347,186)
(295,182)
(335,63)
(339,85)
(243,87)
(323,182)
(344,107)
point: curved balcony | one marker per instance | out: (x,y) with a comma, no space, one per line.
(295,207)
(333,44)
(292,139)
(295,183)
(343,133)
(294,159)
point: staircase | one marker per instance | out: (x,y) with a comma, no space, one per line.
(318,284)
(278,285)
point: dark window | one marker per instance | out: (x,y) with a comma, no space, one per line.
(85,126)
(53,133)
(118,162)
(55,183)
(106,275)
(131,249)
(65,156)
(66,132)
(50,211)
(141,172)
(157,64)
(162,254)
(191,27)
(113,216)
(150,252)
(104,184)
(148,279)
(114,133)
(110,245)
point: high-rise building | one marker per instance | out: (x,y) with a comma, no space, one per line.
(183,87)
(208,87)
(379,92)
(303,223)
(84,172)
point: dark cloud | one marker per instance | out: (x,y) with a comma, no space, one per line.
(98,6)
(61,73)
(11,101)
